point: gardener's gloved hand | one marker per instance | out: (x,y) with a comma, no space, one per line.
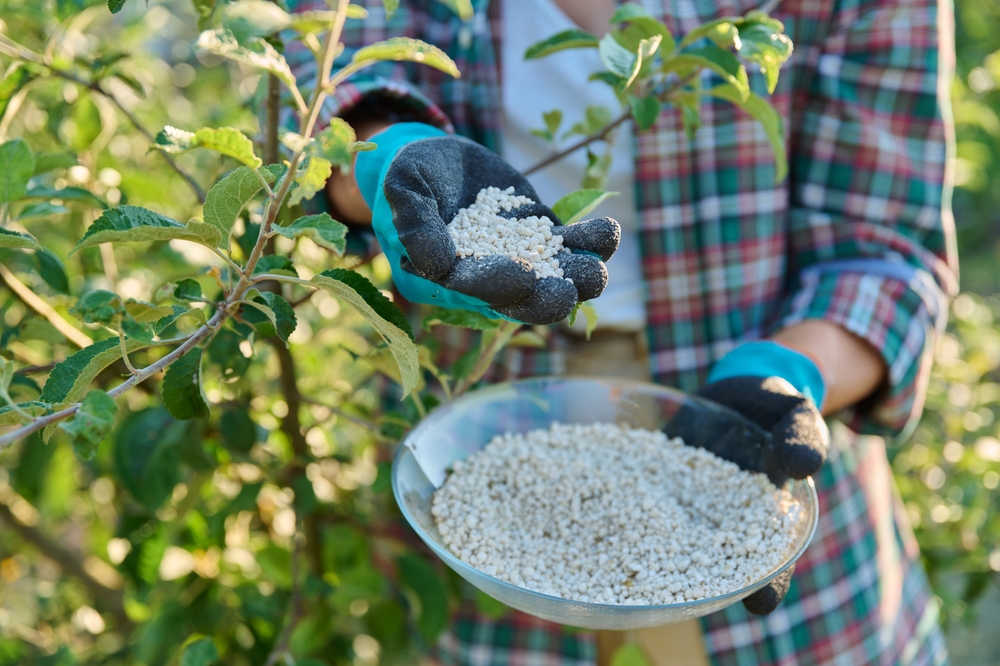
(416,181)
(777,389)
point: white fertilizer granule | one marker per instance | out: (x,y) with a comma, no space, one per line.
(606,514)
(479,231)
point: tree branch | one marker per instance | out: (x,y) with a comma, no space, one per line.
(21,290)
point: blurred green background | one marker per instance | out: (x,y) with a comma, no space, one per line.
(948,471)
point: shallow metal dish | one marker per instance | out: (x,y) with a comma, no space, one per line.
(458,429)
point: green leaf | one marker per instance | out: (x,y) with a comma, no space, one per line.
(135,224)
(205,9)
(183,395)
(17,76)
(99,307)
(721,62)
(309,22)
(88,123)
(385,318)
(116,5)
(405,48)
(257,53)
(147,313)
(6,374)
(9,417)
(616,57)
(91,423)
(226,140)
(224,351)
(461,8)
(254,18)
(768,48)
(574,38)
(717,26)
(238,430)
(310,180)
(490,607)
(363,146)
(275,263)
(51,161)
(51,270)
(225,201)
(77,194)
(767,116)
(40,209)
(201,652)
(591,315)
(629,654)
(596,118)
(188,290)
(460,318)
(145,457)
(572,207)
(383,478)
(639,25)
(423,579)
(278,311)
(16,239)
(334,144)
(18,166)
(390,7)
(320,229)
(645,111)
(553,119)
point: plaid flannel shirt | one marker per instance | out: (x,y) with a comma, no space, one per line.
(859,234)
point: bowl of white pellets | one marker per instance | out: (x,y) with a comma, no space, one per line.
(565,499)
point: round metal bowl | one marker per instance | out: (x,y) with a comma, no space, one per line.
(460,428)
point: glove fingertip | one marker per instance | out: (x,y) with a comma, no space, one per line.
(600,236)
(802,437)
(766,599)
(551,300)
(588,273)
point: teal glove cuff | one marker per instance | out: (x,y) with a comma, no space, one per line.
(370,171)
(370,166)
(770,359)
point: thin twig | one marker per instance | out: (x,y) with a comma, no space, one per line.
(140,376)
(21,290)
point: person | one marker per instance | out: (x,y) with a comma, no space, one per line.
(832,284)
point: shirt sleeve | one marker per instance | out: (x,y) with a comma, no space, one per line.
(871,240)
(386,88)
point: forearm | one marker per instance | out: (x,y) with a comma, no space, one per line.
(852,369)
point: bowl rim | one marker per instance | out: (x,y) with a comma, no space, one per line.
(461,567)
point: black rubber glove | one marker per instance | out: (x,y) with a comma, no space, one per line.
(782,435)
(425,183)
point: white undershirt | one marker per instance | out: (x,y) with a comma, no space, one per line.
(559,81)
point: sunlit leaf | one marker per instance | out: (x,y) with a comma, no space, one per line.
(91,423)
(387,320)
(616,57)
(310,180)
(767,116)
(134,224)
(320,229)
(769,49)
(254,18)
(18,164)
(17,76)
(405,48)
(461,8)
(313,21)
(574,38)
(721,62)
(575,205)
(706,29)
(10,417)
(390,7)
(226,140)
(334,144)
(16,239)
(183,394)
(257,53)
(225,201)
